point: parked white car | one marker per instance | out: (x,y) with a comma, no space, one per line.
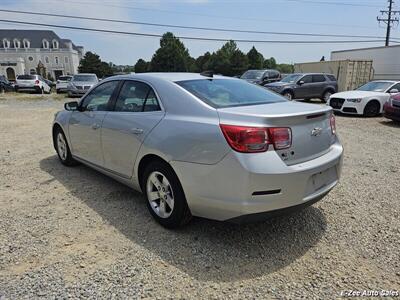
(62,83)
(31,83)
(367,100)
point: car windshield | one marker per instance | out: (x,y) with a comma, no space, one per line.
(26,77)
(292,78)
(227,92)
(85,78)
(252,74)
(375,86)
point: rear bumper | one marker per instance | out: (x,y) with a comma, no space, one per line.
(241,185)
(33,88)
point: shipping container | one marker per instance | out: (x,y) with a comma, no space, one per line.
(350,74)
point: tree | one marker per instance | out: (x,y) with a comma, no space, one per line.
(203,62)
(270,63)
(91,63)
(141,66)
(285,68)
(239,63)
(256,59)
(172,56)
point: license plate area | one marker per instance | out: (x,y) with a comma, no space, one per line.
(320,180)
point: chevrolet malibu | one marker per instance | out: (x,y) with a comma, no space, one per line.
(203,145)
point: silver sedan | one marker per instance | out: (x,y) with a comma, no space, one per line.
(203,145)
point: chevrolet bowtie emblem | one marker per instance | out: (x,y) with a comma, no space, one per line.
(316,131)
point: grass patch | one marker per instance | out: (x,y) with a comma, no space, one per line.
(32,97)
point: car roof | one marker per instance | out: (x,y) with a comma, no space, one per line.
(391,81)
(168,76)
(83,74)
(316,73)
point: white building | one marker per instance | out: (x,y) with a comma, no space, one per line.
(385,60)
(22,50)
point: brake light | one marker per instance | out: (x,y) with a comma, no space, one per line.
(256,139)
(332,122)
(37,81)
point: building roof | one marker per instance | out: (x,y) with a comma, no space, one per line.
(368,48)
(35,37)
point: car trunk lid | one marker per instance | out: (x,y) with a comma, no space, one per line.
(310,125)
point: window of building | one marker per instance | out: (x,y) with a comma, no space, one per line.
(6,43)
(17,43)
(26,43)
(46,59)
(32,71)
(56,60)
(55,44)
(30,58)
(45,44)
(66,59)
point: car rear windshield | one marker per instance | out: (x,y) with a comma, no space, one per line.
(85,78)
(228,92)
(65,78)
(26,77)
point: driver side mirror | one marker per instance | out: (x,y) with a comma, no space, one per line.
(393,91)
(71,106)
(301,82)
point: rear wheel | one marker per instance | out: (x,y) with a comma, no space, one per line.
(288,95)
(165,197)
(372,109)
(326,96)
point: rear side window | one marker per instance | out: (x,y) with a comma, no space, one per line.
(318,78)
(26,77)
(220,93)
(331,77)
(136,96)
(307,79)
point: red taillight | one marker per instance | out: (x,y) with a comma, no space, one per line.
(332,122)
(37,81)
(256,139)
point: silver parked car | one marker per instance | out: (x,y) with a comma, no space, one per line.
(203,145)
(81,83)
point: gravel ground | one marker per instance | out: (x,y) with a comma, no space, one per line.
(74,233)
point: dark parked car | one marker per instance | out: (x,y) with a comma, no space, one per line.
(391,109)
(261,77)
(306,86)
(5,85)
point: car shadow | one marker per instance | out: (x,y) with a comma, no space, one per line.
(390,123)
(204,249)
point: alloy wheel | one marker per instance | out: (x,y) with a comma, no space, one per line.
(288,96)
(160,194)
(62,146)
(327,95)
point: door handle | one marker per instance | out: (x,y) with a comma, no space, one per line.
(95,126)
(137,130)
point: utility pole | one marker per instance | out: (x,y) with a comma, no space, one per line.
(390,18)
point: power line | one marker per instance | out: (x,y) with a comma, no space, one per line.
(191,37)
(390,21)
(236,18)
(188,27)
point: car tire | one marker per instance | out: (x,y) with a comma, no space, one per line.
(57,91)
(372,109)
(166,200)
(326,95)
(288,95)
(62,148)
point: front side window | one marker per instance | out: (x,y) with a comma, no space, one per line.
(98,99)
(220,93)
(307,79)
(136,97)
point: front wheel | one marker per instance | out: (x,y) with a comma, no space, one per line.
(62,148)
(288,95)
(372,109)
(165,197)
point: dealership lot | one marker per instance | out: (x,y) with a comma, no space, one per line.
(74,232)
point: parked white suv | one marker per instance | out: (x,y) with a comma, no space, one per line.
(31,83)
(62,83)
